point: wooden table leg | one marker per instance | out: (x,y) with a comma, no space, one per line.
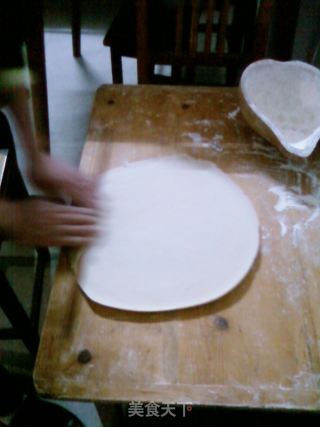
(17,316)
(111,414)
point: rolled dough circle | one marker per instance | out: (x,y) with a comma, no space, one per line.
(177,233)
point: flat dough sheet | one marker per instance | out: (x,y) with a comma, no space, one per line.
(177,233)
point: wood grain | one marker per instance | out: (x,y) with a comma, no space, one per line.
(256,347)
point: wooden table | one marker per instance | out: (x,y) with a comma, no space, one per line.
(256,347)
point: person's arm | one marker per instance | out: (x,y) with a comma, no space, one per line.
(37,221)
(40,222)
(14,101)
(50,175)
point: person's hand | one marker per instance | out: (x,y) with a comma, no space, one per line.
(39,222)
(58,179)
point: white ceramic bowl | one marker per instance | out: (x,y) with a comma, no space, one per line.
(281,101)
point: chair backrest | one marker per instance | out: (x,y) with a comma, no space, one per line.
(190,33)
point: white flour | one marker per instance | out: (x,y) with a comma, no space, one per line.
(200,141)
(287,189)
(233,114)
(296,212)
(286,199)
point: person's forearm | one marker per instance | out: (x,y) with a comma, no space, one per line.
(19,114)
(14,101)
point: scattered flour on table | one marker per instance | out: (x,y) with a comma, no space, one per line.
(233,114)
(215,142)
(204,122)
(195,137)
(266,237)
(290,198)
(286,199)
(306,380)
(283,228)
(200,141)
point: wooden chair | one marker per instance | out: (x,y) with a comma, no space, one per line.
(76,27)
(188,33)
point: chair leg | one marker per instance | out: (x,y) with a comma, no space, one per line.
(37,64)
(190,74)
(42,259)
(11,394)
(176,73)
(116,65)
(17,316)
(76,27)
(232,76)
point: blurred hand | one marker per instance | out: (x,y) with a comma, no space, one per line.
(39,222)
(59,179)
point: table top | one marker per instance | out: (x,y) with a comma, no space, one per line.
(258,346)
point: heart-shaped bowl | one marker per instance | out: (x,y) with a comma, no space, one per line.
(281,102)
